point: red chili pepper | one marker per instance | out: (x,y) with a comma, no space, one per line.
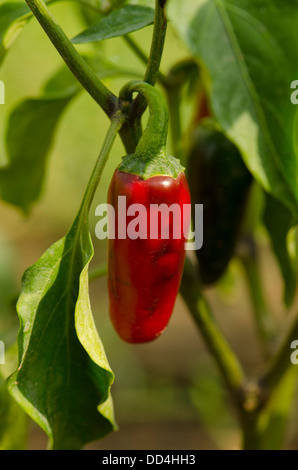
(145,274)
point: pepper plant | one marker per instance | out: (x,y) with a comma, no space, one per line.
(240,61)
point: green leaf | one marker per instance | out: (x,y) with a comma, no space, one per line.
(249,55)
(13,17)
(123,21)
(31,130)
(30,134)
(278,221)
(63,379)
(29,137)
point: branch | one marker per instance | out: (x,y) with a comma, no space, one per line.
(85,75)
(156,50)
(218,346)
(115,126)
(157,45)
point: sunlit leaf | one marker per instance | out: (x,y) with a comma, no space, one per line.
(31,131)
(278,221)
(63,379)
(13,17)
(249,56)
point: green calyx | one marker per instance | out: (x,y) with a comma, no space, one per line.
(150,158)
(159,165)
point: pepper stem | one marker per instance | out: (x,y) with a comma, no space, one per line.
(153,140)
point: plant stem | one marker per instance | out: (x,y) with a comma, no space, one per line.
(154,139)
(247,396)
(218,346)
(85,75)
(157,45)
(130,134)
(264,429)
(131,131)
(156,50)
(251,434)
(110,137)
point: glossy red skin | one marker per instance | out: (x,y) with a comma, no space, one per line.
(145,274)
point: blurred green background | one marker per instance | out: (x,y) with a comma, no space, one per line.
(167,394)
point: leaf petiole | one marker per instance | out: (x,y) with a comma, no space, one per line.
(85,75)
